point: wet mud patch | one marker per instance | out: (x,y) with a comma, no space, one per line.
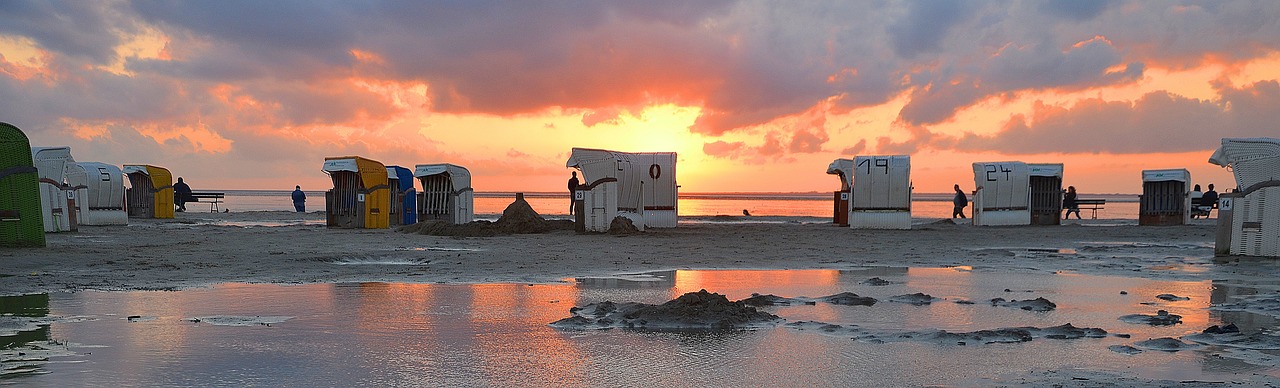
(1166,344)
(1268,305)
(1037,304)
(694,310)
(944,337)
(1160,318)
(876,282)
(29,358)
(918,299)
(1171,297)
(758,300)
(848,299)
(236,320)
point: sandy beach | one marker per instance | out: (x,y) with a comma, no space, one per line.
(200,249)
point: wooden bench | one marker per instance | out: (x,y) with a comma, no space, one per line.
(212,198)
(1091,204)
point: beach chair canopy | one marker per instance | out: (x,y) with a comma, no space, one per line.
(459,175)
(844,169)
(151,189)
(1004,185)
(882,183)
(642,176)
(355,178)
(403,177)
(21,223)
(105,184)
(1252,160)
(52,163)
(1167,175)
(371,172)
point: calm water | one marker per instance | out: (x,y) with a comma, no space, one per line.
(759,204)
(384,334)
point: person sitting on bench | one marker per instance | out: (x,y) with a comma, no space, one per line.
(181,194)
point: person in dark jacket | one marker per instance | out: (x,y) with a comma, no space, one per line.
(181,194)
(1210,198)
(299,199)
(960,201)
(1069,202)
(573,186)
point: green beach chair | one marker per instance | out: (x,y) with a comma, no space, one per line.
(21,222)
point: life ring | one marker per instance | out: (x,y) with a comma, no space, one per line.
(655,171)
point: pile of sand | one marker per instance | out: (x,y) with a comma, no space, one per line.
(517,218)
(622,225)
(695,310)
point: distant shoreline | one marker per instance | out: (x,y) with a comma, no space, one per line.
(782,196)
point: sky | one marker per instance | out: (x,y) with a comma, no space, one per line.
(754,96)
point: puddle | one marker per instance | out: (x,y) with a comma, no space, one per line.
(500,334)
(377,260)
(438,249)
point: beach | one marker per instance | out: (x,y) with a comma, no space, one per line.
(200,249)
(258,286)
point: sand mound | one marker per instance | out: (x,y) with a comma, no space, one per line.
(1162,318)
(623,226)
(772,300)
(517,218)
(849,299)
(695,310)
(918,299)
(1165,344)
(876,282)
(1037,304)
(992,336)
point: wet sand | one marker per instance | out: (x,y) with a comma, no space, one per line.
(200,249)
(203,249)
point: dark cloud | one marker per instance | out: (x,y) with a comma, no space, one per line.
(245,68)
(926,25)
(1084,65)
(856,149)
(73,28)
(1156,122)
(1077,10)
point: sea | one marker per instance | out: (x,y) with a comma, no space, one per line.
(808,207)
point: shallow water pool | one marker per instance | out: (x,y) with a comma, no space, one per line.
(387,334)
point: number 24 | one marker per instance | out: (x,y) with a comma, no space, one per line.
(991,169)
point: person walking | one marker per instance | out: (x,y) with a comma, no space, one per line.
(299,199)
(1069,202)
(573,187)
(960,201)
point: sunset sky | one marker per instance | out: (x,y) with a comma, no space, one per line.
(754,96)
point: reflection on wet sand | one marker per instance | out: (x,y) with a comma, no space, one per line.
(498,334)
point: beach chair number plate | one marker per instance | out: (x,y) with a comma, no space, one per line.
(359,197)
(579,195)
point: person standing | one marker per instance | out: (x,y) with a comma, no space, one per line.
(181,194)
(299,199)
(573,187)
(1069,202)
(961,201)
